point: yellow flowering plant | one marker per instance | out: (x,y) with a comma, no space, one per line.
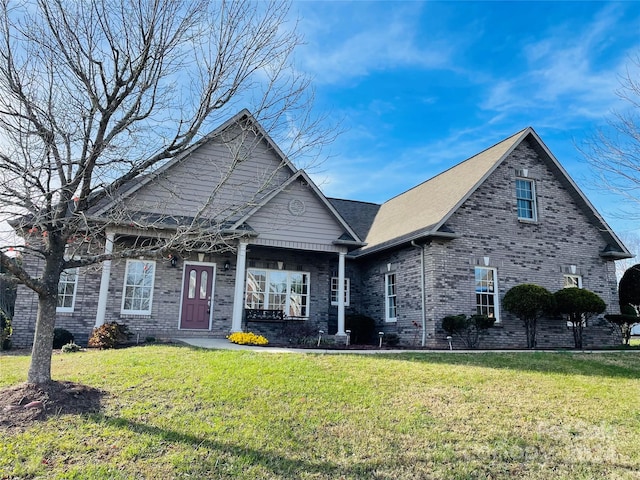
(247,338)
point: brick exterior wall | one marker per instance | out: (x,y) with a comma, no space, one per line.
(521,252)
(163,322)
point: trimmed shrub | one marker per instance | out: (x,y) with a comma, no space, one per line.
(391,339)
(578,304)
(363,329)
(61,337)
(109,335)
(528,302)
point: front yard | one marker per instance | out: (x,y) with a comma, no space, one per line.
(178,412)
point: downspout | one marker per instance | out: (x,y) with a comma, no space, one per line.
(422,288)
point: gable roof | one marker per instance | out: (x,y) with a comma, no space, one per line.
(423,210)
(359,215)
(350,237)
(137,183)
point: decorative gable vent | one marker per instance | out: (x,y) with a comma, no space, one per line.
(304,183)
(522,172)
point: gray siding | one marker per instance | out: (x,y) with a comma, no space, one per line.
(205,179)
(313,227)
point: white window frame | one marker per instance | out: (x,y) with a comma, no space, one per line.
(63,281)
(390,297)
(491,291)
(334,291)
(571,280)
(532,201)
(265,293)
(125,311)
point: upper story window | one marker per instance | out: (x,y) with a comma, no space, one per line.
(526,199)
(390,298)
(137,293)
(486,283)
(67,290)
(334,291)
(278,290)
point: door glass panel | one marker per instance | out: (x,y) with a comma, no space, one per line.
(203,284)
(192,284)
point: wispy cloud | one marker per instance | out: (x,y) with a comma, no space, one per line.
(364,38)
(565,74)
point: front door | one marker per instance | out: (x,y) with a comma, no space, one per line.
(196,297)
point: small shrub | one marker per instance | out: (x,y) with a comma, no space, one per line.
(6,344)
(301,333)
(391,339)
(109,335)
(468,329)
(61,337)
(247,338)
(71,348)
(150,339)
(363,329)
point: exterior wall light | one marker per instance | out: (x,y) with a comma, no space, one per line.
(227,266)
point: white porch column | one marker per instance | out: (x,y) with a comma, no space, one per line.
(341,257)
(104,282)
(238,295)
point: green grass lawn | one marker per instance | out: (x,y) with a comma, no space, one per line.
(178,412)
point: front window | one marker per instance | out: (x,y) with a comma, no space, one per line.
(486,285)
(278,290)
(138,287)
(526,199)
(334,291)
(67,290)
(390,297)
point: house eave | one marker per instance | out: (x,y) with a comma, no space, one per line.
(406,240)
(616,255)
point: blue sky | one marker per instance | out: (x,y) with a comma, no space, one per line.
(421,86)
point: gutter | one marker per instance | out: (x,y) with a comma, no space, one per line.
(422,288)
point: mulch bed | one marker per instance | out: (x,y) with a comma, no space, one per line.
(22,405)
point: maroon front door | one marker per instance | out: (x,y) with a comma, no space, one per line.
(196,297)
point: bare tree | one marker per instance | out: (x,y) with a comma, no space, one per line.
(97,93)
(614,150)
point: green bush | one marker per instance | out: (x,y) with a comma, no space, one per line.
(363,329)
(528,302)
(71,348)
(109,335)
(391,339)
(578,304)
(61,337)
(468,329)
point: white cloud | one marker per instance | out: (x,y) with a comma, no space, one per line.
(352,42)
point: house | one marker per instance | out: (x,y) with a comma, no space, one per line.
(288,255)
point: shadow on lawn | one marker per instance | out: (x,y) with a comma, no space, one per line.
(278,464)
(613,365)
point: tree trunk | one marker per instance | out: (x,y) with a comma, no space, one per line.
(40,368)
(531,327)
(577,333)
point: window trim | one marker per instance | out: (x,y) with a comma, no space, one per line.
(495,294)
(571,275)
(70,309)
(334,291)
(124,311)
(388,297)
(532,200)
(287,306)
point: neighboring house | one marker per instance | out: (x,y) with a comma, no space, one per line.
(453,244)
